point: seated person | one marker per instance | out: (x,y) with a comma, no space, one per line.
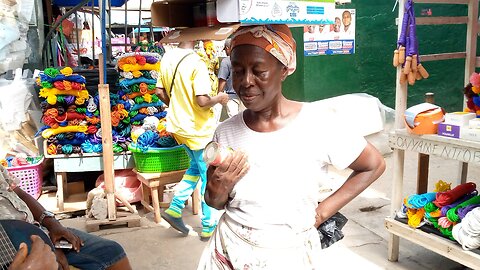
(88,252)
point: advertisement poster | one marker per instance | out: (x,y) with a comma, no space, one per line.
(286,11)
(331,39)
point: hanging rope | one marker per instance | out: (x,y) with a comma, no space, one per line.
(420,200)
(452,213)
(146,140)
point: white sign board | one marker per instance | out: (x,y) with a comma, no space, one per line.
(276,11)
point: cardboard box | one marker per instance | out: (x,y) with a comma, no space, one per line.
(172,14)
(183,13)
(447,130)
(216,32)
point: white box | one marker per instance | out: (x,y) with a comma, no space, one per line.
(459,118)
(472,134)
(474,123)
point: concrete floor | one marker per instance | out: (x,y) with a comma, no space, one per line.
(157,246)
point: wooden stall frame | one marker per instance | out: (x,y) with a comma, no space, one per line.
(400,140)
(133,219)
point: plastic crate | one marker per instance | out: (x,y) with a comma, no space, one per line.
(31,178)
(160,159)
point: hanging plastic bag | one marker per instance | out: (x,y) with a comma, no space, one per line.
(14,101)
(330,231)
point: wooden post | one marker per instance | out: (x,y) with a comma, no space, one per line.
(107,144)
(424,160)
(398,155)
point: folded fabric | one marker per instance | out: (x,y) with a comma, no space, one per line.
(448,197)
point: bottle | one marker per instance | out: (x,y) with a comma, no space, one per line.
(214,153)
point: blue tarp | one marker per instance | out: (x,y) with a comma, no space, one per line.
(71,3)
(147,29)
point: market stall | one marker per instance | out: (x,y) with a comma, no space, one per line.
(401,140)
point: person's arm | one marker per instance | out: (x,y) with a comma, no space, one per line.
(221,179)
(223,74)
(162,94)
(56,229)
(206,101)
(221,85)
(367,168)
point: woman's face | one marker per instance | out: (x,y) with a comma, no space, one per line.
(336,26)
(257,77)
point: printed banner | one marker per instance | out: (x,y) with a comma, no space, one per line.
(284,11)
(331,39)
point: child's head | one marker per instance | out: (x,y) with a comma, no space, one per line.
(209,47)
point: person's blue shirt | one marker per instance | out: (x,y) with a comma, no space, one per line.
(225,73)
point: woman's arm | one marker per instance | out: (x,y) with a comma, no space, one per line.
(367,168)
(221,179)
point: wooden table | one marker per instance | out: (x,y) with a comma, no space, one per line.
(153,186)
(82,163)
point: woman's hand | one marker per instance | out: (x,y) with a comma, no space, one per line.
(222,178)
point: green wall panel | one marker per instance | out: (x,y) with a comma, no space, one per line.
(370,69)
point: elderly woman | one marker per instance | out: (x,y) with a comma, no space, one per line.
(269,187)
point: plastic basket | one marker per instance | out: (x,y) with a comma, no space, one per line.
(160,159)
(31,178)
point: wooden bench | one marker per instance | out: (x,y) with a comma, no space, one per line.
(153,186)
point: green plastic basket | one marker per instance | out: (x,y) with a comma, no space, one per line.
(160,159)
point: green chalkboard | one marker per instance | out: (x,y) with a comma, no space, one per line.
(370,69)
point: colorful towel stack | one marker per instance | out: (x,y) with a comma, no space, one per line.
(120,126)
(138,77)
(67,113)
(72,115)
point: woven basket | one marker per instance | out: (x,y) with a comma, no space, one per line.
(31,178)
(160,159)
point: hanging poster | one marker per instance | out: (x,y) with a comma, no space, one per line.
(331,39)
(275,11)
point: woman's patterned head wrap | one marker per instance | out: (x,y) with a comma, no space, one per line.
(276,39)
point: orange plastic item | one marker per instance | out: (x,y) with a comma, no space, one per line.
(424,118)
